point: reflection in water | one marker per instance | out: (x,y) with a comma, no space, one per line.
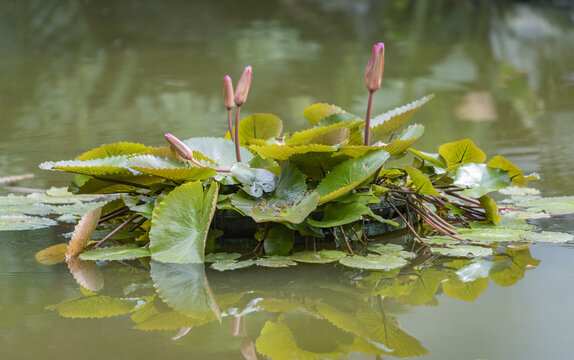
(310,312)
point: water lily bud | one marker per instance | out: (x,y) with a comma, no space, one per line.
(374,73)
(243,85)
(180,148)
(228,96)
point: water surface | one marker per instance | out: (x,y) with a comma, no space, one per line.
(77,74)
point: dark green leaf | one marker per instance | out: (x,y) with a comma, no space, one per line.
(279,240)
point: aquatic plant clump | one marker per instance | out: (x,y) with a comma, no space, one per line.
(326,182)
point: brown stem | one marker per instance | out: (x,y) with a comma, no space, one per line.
(113,214)
(436,226)
(115,231)
(472,201)
(346,241)
(367,141)
(407,223)
(438,218)
(237,154)
(357,235)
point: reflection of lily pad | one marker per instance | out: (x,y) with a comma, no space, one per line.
(318,257)
(97,306)
(215,257)
(124,252)
(23,222)
(225,265)
(374,262)
(463,251)
(275,261)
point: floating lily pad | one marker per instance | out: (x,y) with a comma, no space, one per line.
(374,262)
(391,249)
(318,257)
(546,237)
(275,262)
(215,257)
(109,253)
(441,240)
(23,222)
(514,190)
(225,265)
(551,205)
(462,251)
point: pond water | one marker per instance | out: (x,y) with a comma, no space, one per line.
(77,74)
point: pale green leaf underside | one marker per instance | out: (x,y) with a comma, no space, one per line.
(385,124)
(462,251)
(109,165)
(180,224)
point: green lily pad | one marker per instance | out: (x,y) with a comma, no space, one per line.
(405,140)
(384,262)
(218,150)
(546,237)
(180,223)
(441,240)
(259,127)
(514,190)
(462,251)
(318,112)
(168,168)
(24,222)
(275,262)
(310,136)
(284,152)
(255,181)
(480,179)
(350,173)
(336,214)
(461,152)
(434,159)
(110,253)
(225,265)
(279,240)
(116,149)
(318,257)
(215,257)
(391,249)
(421,182)
(516,176)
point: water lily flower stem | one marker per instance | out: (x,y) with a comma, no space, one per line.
(368,120)
(412,230)
(236,137)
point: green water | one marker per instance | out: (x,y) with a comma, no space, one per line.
(77,74)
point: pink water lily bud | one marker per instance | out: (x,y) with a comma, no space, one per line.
(374,73)
(228,95)
(180,148)
(243,85)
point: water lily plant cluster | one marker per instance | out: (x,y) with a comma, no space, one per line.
(327,181)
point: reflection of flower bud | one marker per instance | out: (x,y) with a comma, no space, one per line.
(374,73)
(180,148)
(243,85)
(228,96)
